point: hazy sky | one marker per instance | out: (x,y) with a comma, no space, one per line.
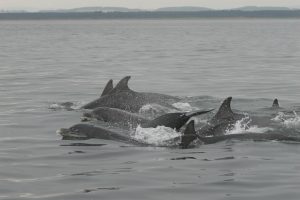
(143,4)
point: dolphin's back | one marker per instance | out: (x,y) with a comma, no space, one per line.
(114,115)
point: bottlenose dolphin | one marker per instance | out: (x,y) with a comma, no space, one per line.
(114,115)
(122,97)
(190,135)
(87,131)
(174,120)
(275,104)
(108,87)
(224,119)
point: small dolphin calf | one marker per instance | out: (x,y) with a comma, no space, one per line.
(190,135)
(171,120)
(122,97)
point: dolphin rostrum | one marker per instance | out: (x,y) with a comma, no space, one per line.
(87,131)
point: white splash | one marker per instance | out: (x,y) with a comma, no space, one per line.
(152,110)
(289,121)
(279,117)
(184,106)
(65,106)
(55,106)
(157,136)
(243,126)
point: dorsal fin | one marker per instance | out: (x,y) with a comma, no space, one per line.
(224,110)
(189,135)
(109,86)
(121,86)
(275,103)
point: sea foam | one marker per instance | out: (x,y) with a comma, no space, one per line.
(244,126)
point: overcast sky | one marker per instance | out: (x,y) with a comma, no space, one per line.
(143,4)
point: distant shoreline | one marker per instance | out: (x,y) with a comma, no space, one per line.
(150,15)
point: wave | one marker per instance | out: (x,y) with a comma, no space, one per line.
(291,121)
(153,110)
(184,106)
(244,126)
(65,106)
(158,136)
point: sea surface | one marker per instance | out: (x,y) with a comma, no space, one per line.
(46,63)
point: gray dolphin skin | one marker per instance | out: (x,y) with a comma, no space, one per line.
(275,103)
(114,115)
(174,120)
(190,135)
(108,87)
(124,98)
(223,119)
(87,131)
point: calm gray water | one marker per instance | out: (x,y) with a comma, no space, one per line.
(43,63)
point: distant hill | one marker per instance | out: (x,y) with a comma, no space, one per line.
(183,9)
(257,8)
(153,15)
(123,9)
(163,9)
(96,9)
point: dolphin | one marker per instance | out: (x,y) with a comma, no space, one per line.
(108,87)
(122,97)
(275,104)
(115,115)
(174,120)
(190,135)
(171,120)
(87,131)
(222,120)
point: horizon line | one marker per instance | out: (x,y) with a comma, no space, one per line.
(154,9)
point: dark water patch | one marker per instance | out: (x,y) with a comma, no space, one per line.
(229,180)
(104,172)
(82,145)
(225,158)
(184,183)
(101,188)
(228,174)
(130,162)
(76,152)
(189,152)
(91,173)
(184,158)
(266,159)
